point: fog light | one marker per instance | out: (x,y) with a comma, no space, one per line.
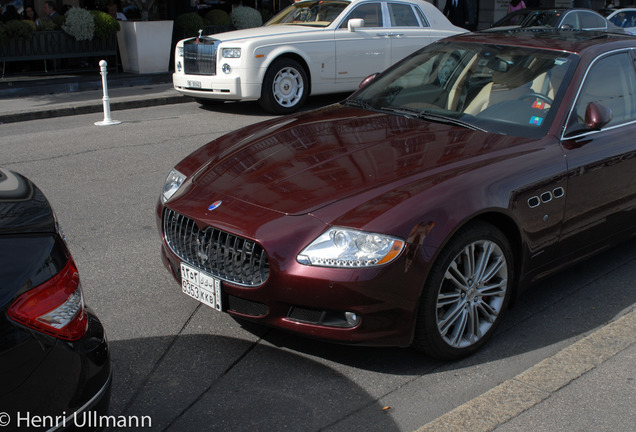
(352,318)
(226,68)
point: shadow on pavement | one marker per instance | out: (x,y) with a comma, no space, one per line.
(253,108)
(208,382)
(265,388)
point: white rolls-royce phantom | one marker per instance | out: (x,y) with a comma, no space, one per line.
(312,47)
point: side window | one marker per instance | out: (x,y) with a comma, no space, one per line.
(592,21)
(371,13)
(610,81)
(570,21)
(402,15)
(625,19)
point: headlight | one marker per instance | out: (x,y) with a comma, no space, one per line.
(231,52)
(180,51)
(347,248)
(173,182)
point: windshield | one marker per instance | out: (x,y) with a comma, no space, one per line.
(310,13)
(502,89)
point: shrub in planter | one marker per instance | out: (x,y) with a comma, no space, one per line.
(188,24)
(58,20)
(79,23)
(45,24)
(105,25)
(246,17)
(218,17)
(16,29)
(31,24)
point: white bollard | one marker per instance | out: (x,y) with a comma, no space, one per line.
(107,120)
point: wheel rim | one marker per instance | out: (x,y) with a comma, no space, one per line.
(472,293)
(288,87)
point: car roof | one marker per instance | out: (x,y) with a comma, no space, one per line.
(617,11)
(574,41)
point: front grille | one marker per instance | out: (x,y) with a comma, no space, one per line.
(228,257)
(200,58)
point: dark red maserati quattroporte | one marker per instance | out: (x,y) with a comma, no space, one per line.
(415,210)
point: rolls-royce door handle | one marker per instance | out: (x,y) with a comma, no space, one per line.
(390,34)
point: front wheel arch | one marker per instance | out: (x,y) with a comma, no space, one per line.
(293,56)
(453,323)
(268,100)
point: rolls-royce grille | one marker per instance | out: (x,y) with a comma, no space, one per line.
(228,257)
(199,58)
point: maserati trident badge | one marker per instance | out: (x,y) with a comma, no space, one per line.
(215,205)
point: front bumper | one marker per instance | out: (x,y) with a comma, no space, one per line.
(371,306)
(215,87)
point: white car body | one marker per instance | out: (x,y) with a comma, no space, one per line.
(335,58)
(624,18)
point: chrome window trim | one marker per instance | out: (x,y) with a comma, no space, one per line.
(421,16)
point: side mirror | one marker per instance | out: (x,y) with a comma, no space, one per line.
(355,23)
(368,79)
(597,116)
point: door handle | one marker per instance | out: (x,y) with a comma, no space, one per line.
(390,34)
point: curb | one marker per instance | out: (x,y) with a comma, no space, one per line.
(90,108)
(519,394)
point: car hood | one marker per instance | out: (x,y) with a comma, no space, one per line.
(23,207)
(264,31)
(298,164)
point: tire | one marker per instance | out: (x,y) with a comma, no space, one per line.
(285,87)
(463,301)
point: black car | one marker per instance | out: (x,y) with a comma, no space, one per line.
(54,357)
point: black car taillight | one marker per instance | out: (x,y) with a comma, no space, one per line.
(56,307)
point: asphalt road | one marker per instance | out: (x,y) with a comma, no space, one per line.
(188,367)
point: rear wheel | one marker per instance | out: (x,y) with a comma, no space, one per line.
(285,87)
(466,293)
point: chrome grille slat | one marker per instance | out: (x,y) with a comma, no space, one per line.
(199,58)
(226,256)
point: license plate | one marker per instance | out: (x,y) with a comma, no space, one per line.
(194,84)
(201,286)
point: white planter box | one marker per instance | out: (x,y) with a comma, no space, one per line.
(145,46)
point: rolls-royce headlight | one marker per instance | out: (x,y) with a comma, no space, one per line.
(231,52)
(173,182)
(347,248)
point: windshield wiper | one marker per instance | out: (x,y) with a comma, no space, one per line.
(437,118)
(359,103)
(449,120)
